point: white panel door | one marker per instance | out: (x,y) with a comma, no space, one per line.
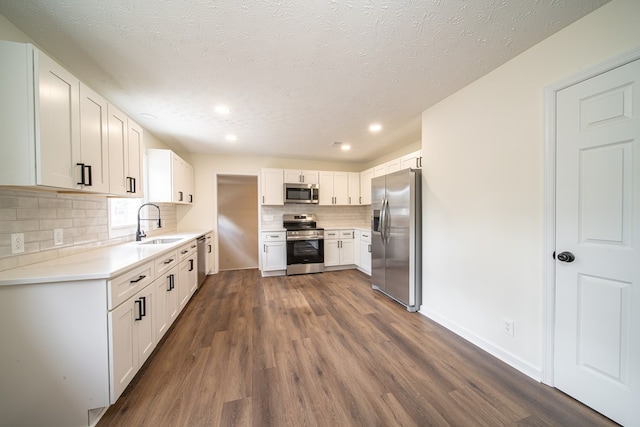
(117,151)
(597,329)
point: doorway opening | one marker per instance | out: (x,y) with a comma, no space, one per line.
(237,222)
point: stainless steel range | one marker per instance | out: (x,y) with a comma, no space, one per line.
(305,244)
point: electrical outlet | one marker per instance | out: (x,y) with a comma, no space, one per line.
(58,236)
(507,326)
(17,243)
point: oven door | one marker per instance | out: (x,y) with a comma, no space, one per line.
(305,251)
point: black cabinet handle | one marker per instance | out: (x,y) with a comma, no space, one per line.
(369,248)
(209,248)
(184,252)
(81,173)
(138,279)
(90,181)
(139,315)
(191,265)
(169,261)
(144,306)
(171,282)
(180,196)
(190,198)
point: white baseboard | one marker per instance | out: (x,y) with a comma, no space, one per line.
(508,358)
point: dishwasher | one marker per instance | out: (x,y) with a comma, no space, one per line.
(202,260)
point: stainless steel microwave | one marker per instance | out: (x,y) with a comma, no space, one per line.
(300,193)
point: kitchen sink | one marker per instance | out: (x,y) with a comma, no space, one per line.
(161,241)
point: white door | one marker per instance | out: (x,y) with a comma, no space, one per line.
(597,326)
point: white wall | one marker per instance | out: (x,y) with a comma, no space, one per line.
(483,188)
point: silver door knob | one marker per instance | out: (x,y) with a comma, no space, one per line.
(566,257)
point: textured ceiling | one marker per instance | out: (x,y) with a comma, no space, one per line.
(297,75)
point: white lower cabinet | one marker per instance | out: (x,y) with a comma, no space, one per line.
(187,273)
(339,248)
(363,251)
(274,253)
(132,339)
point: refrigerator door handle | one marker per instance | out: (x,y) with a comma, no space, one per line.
(385,222)
(382,219)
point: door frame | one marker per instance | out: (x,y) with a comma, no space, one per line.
(549,221)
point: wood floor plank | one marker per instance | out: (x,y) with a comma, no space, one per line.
(326,350)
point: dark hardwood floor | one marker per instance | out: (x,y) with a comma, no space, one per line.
(326,350)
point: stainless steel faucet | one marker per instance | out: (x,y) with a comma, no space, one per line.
(139,233)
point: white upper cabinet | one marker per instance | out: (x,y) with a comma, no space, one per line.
(365,186)
(39,119)
(272,187)
(353,192)
(125,154)
(300,176)
(170,177)
(339,188)
(93,167)
(412,160)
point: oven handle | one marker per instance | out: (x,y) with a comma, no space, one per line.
(289,239)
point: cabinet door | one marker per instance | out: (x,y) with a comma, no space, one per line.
(309,177)
(292,176)
(353,196)
(365,256)
(380,170)
(341,188)
(117,147)
(412,160)
(57,118)
(331,253)
(193,274)
(144,329)
(271,184)
(94,142)
(325,188)
(393,166)
(346,252)
(183,284)
(161,288)
(209,258)
(135,146)
(274,256)
(173,304)
(177,178)
(365,186)
(123,351)
(356,253)
(188,183)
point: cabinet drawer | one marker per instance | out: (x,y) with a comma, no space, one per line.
(166,262)
(331,234)
(274,236)
(126,285)
(186,250)
(346,234)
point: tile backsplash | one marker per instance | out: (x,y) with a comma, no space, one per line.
(83,219)
(327,216)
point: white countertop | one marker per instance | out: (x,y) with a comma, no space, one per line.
(100,263)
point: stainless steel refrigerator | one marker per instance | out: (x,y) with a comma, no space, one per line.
(396,260)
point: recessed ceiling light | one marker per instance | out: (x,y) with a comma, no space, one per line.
(375,127)
(345,147)
(222,109)
(231,137)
